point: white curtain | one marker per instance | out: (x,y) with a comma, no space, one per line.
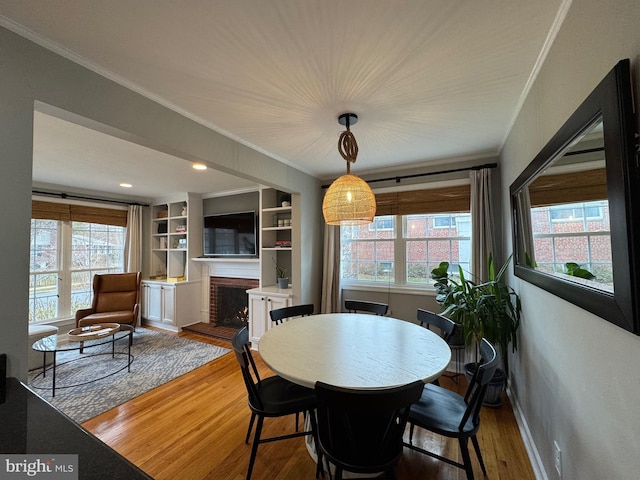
(482,240)
(330,301)
(133,241)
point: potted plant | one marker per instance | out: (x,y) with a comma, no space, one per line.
(488,310)
(281,275)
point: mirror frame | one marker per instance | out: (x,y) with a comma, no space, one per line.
(612,101)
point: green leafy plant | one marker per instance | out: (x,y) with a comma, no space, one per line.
(280,271)
(575,270)
(488,310)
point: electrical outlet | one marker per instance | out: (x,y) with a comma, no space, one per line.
(557,457)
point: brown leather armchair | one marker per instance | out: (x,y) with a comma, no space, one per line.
(116,299)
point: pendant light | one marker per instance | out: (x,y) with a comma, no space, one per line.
(349,200)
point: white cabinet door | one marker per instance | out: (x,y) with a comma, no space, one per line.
(257,317)
(274,303)
(260,304)
(169,304)
(151,302)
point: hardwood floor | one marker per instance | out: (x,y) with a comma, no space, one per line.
(193,428)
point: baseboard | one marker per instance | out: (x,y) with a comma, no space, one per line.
(529,445)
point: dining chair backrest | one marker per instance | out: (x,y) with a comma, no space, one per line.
(279,314)
(355,306)
(361,430)
(250,375)
(474,396)
(444,324)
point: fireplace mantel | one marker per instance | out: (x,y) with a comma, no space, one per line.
(230,267)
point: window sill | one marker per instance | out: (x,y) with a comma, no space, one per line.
(402,289)
(61,323)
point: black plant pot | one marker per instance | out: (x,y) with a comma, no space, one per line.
(496,385)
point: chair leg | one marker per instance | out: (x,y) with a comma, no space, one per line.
(476,447)
(338,473)
(314,434)
(411,426)
(466,458)
(253,417)
(297,420)
(254,448)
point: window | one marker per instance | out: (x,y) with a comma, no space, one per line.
(403,249)
(368,251)
(64,256)
(382,223)
(578,233)
(444,221)
(572,213)
(429,240)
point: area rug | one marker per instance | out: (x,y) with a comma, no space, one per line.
(157,359)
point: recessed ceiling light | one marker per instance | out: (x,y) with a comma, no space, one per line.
(126,185)
(199,166)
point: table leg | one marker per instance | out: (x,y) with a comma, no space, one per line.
(53,380)
(129,352)
(44,364)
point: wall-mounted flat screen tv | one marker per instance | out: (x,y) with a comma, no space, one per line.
(231,234)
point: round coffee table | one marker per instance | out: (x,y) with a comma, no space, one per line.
(81,338)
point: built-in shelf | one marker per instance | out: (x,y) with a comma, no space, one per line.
(276,209)
(276,228)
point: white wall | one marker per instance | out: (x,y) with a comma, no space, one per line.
(576,376)
(29,74)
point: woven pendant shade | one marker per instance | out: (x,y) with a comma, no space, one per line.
(349,201)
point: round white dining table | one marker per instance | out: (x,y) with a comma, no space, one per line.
(354,351)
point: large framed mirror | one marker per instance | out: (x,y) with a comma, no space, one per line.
(576,210)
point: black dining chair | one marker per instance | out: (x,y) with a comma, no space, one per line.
(279,314)
(451,415)
(429,319)
(361,431)
(446,326)
(271,397)
(355,306)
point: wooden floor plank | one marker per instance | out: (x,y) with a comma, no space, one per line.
(193,428)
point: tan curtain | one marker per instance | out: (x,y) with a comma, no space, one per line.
(482,241)
(133,241)
(330,301)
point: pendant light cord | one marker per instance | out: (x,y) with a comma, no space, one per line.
(347,146)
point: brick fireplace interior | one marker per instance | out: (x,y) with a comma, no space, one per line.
(229,302)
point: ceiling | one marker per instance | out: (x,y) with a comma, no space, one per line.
(429,80)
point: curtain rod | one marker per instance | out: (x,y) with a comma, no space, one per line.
(427,174)
(81,197)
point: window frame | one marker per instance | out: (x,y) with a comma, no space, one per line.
(400,242)
(64,250)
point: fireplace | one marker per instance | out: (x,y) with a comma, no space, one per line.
(228,303)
